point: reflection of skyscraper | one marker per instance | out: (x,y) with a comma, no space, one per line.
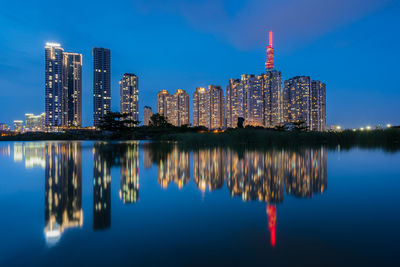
(208,168)
(101,189)
(129,192)
(174,167)
(63,188)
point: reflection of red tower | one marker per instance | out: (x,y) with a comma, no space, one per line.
(271,212)
(269,65)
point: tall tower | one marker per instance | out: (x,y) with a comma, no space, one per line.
(101,83)
(129,96)
(53,84)
(72,86)
(269,65)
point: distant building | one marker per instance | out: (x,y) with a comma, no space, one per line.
(234,102)
(162,100)
(4,127)
(147,113)
(174,107)
(216,106)
(129,96)
(34,123)
(318,106)
(297,100)
(254,104)
(18,126)
(201,107)
(72,86)
(53,84)
(272,94)
(101,84)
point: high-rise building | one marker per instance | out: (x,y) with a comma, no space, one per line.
(174,107)
(201,107)
(129,96)
(72,89)
(318,106)
(254,104)
(234,102)
(163,97)
(34,123)
(53,84)
(217,113)
(101,84)
(147,113)
(272,90)
(297,100)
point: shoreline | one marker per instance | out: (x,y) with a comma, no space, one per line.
(388,139)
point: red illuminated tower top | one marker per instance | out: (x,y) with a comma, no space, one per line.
(269,65)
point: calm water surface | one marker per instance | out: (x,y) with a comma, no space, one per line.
(135,203)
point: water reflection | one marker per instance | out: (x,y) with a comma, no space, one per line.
(63,188)
(249,174)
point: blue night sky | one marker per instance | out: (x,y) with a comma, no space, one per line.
(351,45)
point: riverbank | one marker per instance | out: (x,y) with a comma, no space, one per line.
(388,139)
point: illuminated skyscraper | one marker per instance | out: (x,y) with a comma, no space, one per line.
(234,102)
(147,113)
(163,97)
(174,107)
(254,104)
(272,90)
(297,100)
(201,107)
(129,96)
(208,107)
(269,64)
(53,84)
(72,89)
(101,84)
(318,106)
(216,106)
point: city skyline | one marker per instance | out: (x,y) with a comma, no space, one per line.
(317,53)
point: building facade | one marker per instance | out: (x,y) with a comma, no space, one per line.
(254,104)
(272,94)
(163,97)
(318,106)
(72,90)
(147,113)
(34,123)
(18,126)
(129,96)
(234,102)
(175,108)
(101,84)
(53,84)
(201,107)
(297,100)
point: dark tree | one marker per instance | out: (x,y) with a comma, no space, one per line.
(115,121)
(158,120)
(299,126)
(240,122)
